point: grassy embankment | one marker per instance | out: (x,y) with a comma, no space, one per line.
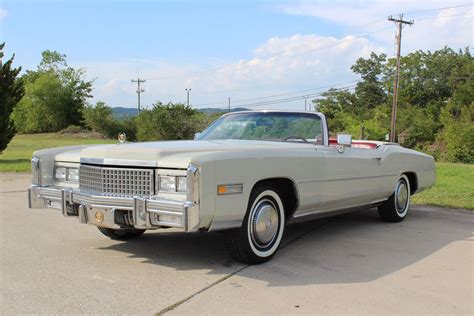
(454,182)
(454,187)
(17,156)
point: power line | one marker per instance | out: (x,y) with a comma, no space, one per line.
(281,94)
(217,69)
(443,16)
(439,9)
(303,52)
(290,99)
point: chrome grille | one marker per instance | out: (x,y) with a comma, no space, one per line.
(115,181)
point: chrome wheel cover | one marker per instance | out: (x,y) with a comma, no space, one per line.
(264,223)
(401,197)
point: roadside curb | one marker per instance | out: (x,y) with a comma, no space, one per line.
(436,208)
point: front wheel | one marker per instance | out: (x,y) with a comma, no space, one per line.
(121,234)
(395,209)
(262,229)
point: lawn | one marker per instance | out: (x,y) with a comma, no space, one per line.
(16,158)
(454,187)
(454,182)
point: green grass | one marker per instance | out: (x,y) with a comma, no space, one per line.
(16,158)
(454,182)
(454,187)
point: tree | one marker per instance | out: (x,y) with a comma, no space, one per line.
(11,91)
(55,95)
(98,117)
(370,92)
(169,122)
(434,104)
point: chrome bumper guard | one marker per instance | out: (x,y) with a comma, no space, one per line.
(140,213)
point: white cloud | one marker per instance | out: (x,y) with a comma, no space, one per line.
(280,65)
(3,13)
(432,29)
(285,64)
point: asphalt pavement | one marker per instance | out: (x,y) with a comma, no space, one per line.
(350,264)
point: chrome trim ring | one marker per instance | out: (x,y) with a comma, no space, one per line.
(264,223)
(401,197)
(271,247)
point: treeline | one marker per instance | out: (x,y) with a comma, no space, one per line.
(161,122)
(55,97)
(435,103)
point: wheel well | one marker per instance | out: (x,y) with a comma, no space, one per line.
(413,181)
(287,191)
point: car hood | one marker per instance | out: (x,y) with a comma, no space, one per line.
(166,153)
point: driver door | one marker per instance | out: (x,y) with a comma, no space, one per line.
(351,178)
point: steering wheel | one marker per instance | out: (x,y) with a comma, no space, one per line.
(295,137)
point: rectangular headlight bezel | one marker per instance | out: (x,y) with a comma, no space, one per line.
(66,172)
(60,173)
(171,181)
(72,175)
(167,184)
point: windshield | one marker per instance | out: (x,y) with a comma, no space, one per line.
(275,126)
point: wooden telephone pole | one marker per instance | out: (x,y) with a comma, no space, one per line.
(399,23)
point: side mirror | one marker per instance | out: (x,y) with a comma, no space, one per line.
(344,140)
(196,135)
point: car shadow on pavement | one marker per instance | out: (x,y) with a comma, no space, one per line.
(350,248)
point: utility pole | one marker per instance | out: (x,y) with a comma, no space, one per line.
(139,90)
(305,103)
(187,98)
(228,103)
(399,23)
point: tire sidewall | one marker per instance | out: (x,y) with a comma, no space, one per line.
(266,193)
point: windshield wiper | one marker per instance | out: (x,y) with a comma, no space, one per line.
(295,137)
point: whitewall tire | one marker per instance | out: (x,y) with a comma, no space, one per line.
(395,209)
(262,229)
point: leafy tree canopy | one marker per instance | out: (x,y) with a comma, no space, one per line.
(55,95)
(436,93)
(11,91)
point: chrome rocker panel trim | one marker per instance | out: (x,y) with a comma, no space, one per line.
(146,211)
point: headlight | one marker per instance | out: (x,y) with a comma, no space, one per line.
(73,174)
(167,184)
(182,185)
(64,173)
(60,173)
(172,184)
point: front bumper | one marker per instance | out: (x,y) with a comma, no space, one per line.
(117,212)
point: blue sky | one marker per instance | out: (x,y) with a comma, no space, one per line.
(240,49)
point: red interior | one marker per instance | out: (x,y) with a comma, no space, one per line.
(355,144)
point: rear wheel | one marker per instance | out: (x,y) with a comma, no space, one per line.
(121,234)
(262,229)
(395,209)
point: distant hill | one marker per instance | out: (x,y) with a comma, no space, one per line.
(121,112)
(209,111)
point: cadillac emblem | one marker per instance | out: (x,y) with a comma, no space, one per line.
(121,137)
(99,217)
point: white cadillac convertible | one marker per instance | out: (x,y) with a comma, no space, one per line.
(249,174)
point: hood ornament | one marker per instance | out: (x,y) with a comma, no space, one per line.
(122,137)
